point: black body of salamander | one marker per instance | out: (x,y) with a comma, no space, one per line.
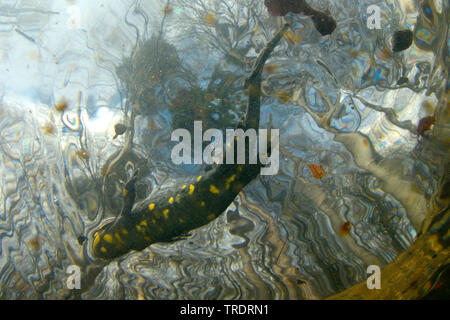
(172,212)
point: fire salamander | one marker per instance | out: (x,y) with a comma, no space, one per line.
(169,213)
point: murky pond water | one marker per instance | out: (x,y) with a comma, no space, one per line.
(92,90)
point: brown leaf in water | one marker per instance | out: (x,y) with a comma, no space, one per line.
(317,171)
(425,124)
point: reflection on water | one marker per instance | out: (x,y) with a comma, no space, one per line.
(362,180)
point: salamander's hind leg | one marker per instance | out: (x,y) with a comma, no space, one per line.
(253,84)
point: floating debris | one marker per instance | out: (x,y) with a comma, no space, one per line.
(428,107)
(62,105)
(210,97)
(49,129)
(270,68)
(34,244)
(402,80)
(293,37)
(119,129)
(23,34)
(81,239)
(385,53)
(82,154)
(210,18)
(316,171)
(344,229)
(402,40)
(425,124)
(353,53)
(284,97)
(167,10)
(300,282)
(323,22)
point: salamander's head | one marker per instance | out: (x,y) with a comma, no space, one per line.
(107,244)
(323,22)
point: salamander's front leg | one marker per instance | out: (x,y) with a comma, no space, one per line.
(110,244)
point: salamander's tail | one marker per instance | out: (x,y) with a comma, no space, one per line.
(264,55)
(253,83)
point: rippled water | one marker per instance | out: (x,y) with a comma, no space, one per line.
(337,100)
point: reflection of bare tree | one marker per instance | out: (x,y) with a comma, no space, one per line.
(226,26)
(151,65)
(145,75)
(154,75)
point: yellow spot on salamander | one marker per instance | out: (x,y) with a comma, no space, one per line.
(103,249)
(171,200)
(117,236)
(202,203)
(191,189)
(108,238)
(125,192)
(144,223)
(151,206)
(124,231)
(138,228)
(199,178)
(211,217)
(231,179)
(166,213)
(183,186)
(96,240)
(213,189)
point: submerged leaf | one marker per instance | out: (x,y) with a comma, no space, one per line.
(317,171)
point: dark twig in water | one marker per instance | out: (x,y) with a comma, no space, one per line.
(281,251)
(133,26)
(23,34)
